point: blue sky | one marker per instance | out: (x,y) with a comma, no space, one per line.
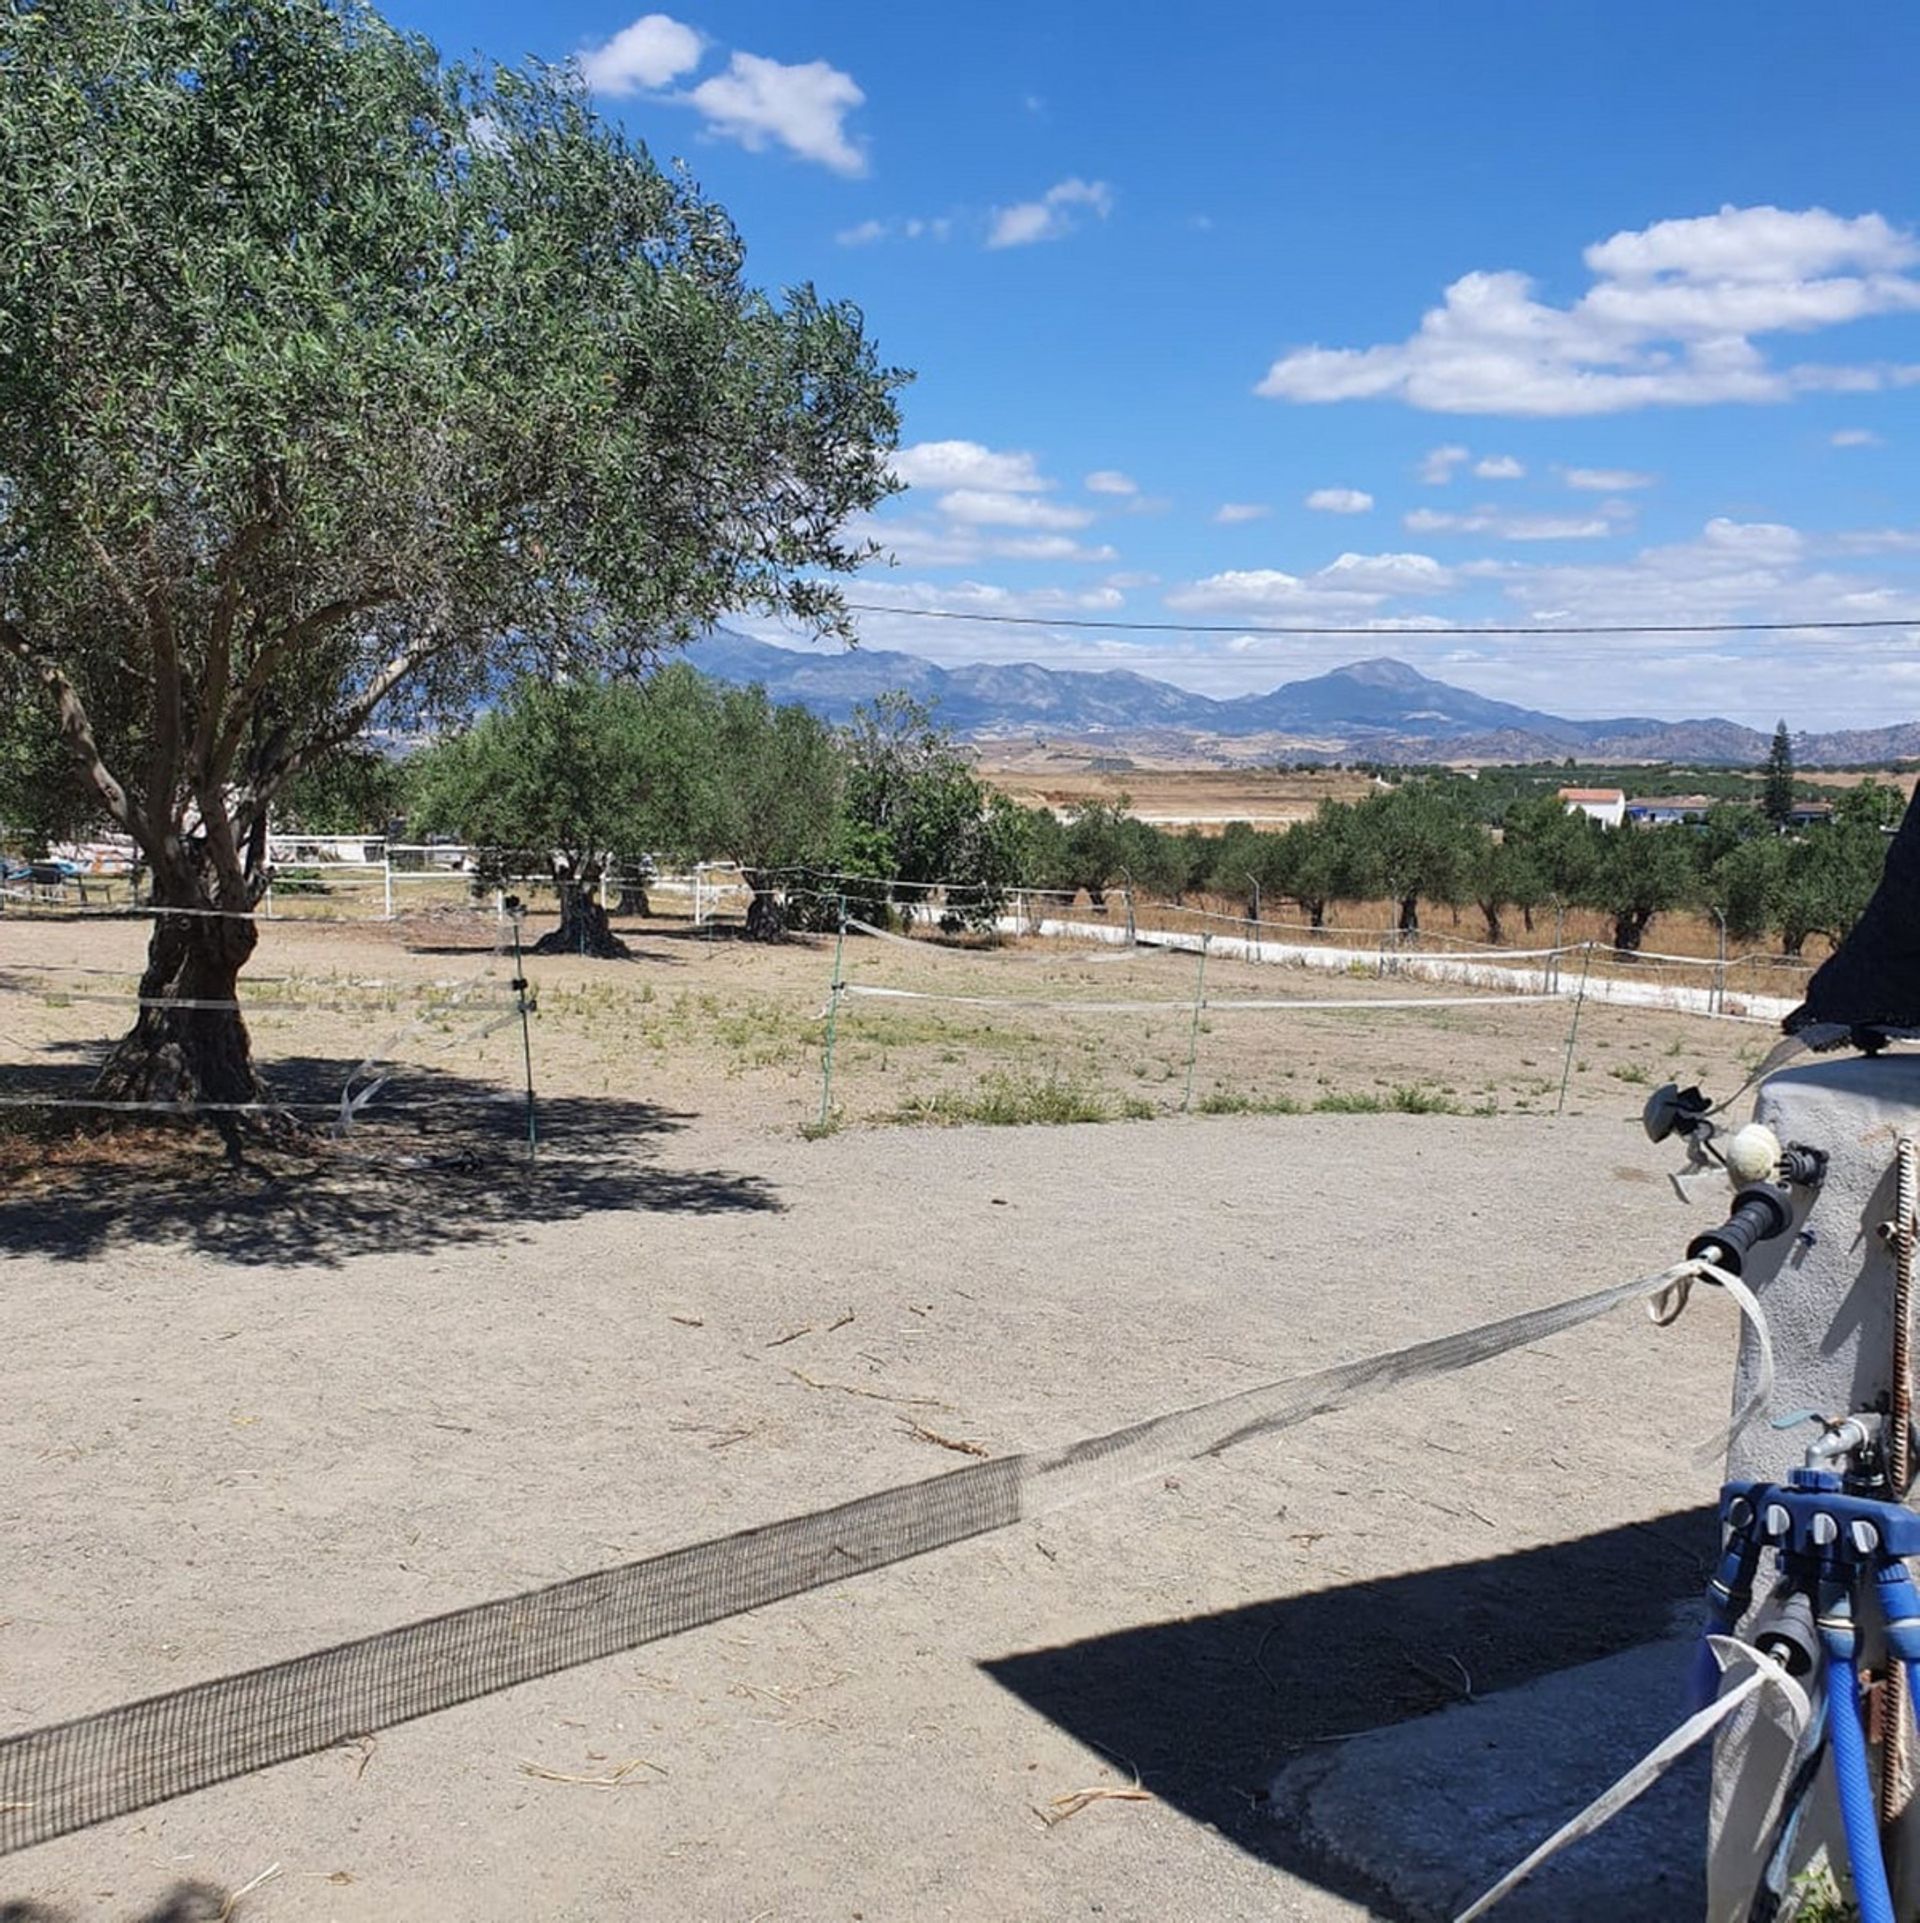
(1387,316)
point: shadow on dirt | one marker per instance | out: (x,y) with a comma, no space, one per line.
(184,1903)
(433,1161)
(1208,1709)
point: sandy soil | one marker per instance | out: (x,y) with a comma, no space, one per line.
(247,1415)
(1207,796)
(732,1030)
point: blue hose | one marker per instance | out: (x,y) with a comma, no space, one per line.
(1855,1782)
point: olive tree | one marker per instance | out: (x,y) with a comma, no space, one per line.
(916,817)
(555,780)
(337,387)
(1317,862)
(1641,873)
(1414,841)
(775,778)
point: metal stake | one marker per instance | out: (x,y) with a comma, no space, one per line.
(833,1018)
(1193,1034)
(1573,1027)
(526,1032)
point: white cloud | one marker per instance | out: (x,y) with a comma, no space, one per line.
(1050,547)
(1000,507)
(1354,584)
(870,233)
(1753,245)
(1853,437)
(651,53)
(958,544)
(1669,321)
(1605,480)
(967,464)
(802,108)
(987,504)
(1108,480)
(1340,500)
(1513,527)
(1436,468)
(1051,217)
(1499,467)
(1880,540)
(1232,513)
(1387,574)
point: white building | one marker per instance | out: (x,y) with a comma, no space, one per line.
(1607,806)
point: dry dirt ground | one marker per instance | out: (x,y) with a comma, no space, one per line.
(247,1415)
(1171,794)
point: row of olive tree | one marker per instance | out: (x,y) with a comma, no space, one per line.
(569,777)
(1421,842)
(873,815)
(1418,843)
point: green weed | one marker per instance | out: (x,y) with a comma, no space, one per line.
(1227,1101)
(1008,1101)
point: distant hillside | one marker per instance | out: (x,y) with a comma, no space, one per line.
(1379,708)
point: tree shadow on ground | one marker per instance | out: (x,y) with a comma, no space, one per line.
(1208,1709)
(635,938)
(432,1162)
(184,1903)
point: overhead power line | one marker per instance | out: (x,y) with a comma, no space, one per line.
(1386,634)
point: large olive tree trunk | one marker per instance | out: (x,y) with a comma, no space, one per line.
(188,1044)
(584,929)
(766,912)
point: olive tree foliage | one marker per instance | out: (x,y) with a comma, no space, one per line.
(1319,861)
(556,781)
(1414,841)
(916,818)
(356,790)
(770,801)
(337,386)
(1551,853)
(1641,873)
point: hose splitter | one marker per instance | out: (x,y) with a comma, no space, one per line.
(1834,1549)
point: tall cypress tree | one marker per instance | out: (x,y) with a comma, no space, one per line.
(1776,800)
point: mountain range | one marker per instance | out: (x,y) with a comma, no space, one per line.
(1379,708)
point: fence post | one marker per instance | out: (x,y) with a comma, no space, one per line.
(1573,1027)
(1133,935)
(833,1018)
(386,872)
(1193,1033)
(526,1031)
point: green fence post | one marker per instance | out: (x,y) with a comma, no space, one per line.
(833,1018)
(1573,1027)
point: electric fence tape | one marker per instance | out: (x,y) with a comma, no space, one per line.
(68,1776)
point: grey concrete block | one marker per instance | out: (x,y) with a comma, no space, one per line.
(1431,1812)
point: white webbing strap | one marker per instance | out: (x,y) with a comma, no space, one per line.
(1665,1309)
(1764,1672)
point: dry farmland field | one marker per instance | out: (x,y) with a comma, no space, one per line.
(1171,794)
(403,1370)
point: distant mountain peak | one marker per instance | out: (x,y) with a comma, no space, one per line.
(1380,707)
(1382,671)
